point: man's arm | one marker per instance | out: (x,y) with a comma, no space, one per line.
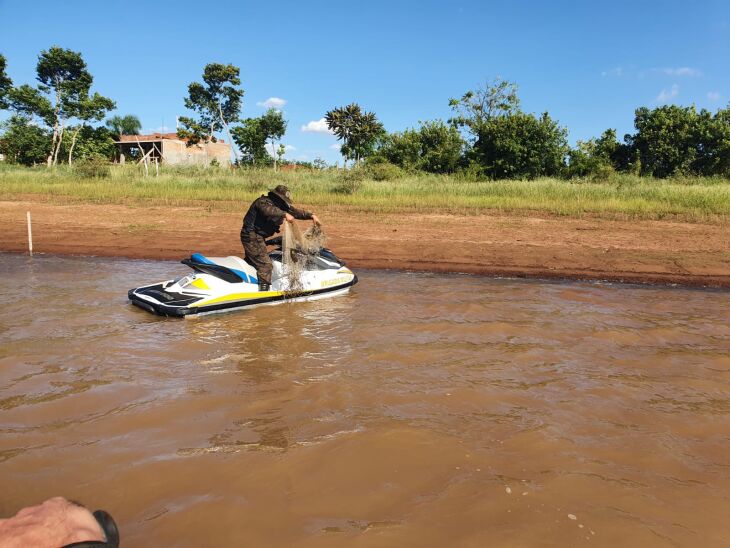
(303,215)
(300,214)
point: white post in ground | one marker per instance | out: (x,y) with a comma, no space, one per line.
(30,236)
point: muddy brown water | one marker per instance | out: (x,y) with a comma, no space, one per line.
(419,410)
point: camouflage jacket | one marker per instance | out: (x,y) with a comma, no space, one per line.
(266,214)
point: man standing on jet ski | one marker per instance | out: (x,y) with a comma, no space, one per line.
(262,220)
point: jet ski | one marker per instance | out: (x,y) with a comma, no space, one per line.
(220,284)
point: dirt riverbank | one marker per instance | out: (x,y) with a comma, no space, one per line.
(534,246)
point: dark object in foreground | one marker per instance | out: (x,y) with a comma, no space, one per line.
(108,526)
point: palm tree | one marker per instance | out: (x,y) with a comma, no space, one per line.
(124,125)
(357,129)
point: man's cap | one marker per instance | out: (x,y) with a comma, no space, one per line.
(282,192)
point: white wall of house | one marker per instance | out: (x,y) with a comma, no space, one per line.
(177,153)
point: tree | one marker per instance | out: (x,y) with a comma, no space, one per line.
(599,157)
(477,107)
(586,160)
(358,130)
(402,149)
(251,138)
(89,109)
(62,73)
(508,143)
(620,156)
(124,125)
(24,142)
(91,142)
(673,140)
(64,82)
(521,145)
(435,147)
(217,101)
(441,147)
(713,143)
(719,148)
(273,127)
(666,139)
(5,83)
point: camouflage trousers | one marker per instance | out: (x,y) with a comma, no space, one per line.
(257,256)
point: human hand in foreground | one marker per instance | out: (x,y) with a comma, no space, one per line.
(316,220)
(289,218)
(56,522)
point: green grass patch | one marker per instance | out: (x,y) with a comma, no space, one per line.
(622,196)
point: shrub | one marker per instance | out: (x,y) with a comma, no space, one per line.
(93,167)
(472,173)
(603,173)
(350,181)
(384,171)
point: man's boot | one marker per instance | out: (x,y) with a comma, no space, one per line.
(263,286)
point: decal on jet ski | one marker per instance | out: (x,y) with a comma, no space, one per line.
(336,281)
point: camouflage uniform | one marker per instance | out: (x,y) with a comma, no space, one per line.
(262,220)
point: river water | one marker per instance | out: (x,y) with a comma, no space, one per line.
(419,410)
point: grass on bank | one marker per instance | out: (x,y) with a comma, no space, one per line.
(700,199)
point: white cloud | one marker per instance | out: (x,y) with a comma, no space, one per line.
(665,95)
(681,71)
(714,96)
(336,147)
(272,102)
(618,72)
(316,126)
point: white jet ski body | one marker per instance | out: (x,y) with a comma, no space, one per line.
(219,284)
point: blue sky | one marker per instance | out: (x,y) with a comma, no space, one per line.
(589,64)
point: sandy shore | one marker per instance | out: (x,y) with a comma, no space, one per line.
(664,252)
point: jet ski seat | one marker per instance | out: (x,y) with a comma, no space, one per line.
(238,266)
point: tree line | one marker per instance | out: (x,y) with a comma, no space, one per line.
(488,134)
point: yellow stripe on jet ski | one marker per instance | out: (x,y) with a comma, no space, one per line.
(200,283)
(239,297)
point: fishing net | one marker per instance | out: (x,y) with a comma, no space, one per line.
(298,253)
